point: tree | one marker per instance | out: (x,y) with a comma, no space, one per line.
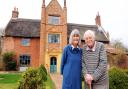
(119,45)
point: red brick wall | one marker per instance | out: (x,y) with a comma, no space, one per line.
(33,50)
(14,44)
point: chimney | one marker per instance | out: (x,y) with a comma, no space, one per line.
(97,20)
(64,3)
(43,5)
(15,13)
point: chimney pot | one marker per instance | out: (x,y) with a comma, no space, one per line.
(15,13)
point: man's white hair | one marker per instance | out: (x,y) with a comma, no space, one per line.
(89,33)
(74,32)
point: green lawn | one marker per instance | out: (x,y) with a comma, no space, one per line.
(82,84)
(9,78)
(10,81)
(49,83)
(8,86)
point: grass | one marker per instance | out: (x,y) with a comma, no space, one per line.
(9,78)
(82,84)
(8,86)
(49,83)
(10,81)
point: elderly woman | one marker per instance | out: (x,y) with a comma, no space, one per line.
(94,63)
(71,62)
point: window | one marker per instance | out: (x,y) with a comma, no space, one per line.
(53,61)
(25,42)
(53,38)
(24,60)
(54,20)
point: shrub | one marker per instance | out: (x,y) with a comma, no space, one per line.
(42,72)
(8,56)
(33,78)
(11,65)
(9,60)
(118,78)
(126,71)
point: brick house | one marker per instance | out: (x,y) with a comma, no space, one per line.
(37,42)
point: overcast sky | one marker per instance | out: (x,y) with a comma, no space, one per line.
(114,13)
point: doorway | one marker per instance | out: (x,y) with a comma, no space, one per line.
(53,65)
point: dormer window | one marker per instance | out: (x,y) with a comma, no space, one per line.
(55,20)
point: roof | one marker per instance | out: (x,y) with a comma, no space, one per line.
(100,35)
(23,28)
(31,28)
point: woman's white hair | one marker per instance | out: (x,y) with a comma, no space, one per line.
(74,32)
(89,33)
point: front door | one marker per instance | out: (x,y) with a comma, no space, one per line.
(53,65)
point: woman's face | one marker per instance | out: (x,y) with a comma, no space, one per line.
(89,40)
(75,39)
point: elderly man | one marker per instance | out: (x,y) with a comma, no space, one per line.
(94,63)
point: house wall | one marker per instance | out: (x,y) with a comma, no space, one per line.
(7,44)
(14,44)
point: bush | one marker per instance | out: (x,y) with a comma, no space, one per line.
(9,61)
(8,56)
(43,72)
(11,65)
(33,78)
(118,78)
(126,71)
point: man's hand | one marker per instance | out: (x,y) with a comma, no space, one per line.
(88,78)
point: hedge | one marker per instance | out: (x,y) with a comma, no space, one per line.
(118,78)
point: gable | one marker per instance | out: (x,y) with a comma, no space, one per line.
(54,8)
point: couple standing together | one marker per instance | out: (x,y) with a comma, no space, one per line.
(91,61)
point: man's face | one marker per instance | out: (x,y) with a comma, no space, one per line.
(89,40)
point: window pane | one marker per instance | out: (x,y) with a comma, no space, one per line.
(25,42)
(53,38)
(54,20)
(24,60)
